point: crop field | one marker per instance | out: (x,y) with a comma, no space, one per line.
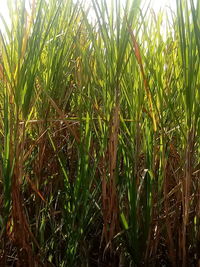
(99,134)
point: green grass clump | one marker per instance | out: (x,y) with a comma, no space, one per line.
(99,132)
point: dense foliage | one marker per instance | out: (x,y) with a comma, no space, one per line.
(99,132)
